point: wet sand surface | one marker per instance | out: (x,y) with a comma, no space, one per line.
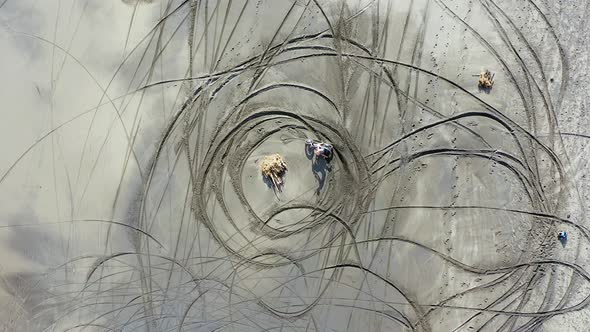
(130,188)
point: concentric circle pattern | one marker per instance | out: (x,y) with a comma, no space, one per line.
(438,211)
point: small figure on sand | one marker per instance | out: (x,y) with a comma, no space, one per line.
(486,80)
(320,149)
(562,237)
(273,168)
(320,165)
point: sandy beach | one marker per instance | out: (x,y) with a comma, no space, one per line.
(131,191)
